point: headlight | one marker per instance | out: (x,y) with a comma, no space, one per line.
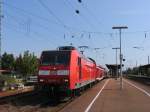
(53,72)
(44,72)
(66,80)
(41,80)
(62,72)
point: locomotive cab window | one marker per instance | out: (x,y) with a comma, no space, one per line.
(55,58)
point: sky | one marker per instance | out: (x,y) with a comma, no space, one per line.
(38,25)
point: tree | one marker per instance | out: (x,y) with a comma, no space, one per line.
(18,64)
(128,71)
(135,70)
(8,61)
(27,64)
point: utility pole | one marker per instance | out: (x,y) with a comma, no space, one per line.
(116,48)
(121,56)
(136,63)
(148,59)
(1,16)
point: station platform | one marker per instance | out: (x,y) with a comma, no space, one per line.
(106,96)
(16,91)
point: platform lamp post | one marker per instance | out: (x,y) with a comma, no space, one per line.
(121,56)
(116,48)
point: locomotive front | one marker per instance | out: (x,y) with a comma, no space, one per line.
(54,68)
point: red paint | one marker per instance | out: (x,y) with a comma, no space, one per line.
(87,72)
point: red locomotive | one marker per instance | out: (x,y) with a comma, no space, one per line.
(67,69)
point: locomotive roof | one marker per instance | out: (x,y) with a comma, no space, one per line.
(66,48)
(70,48)
(55,50)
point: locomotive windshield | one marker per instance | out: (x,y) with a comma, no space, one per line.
(55,58)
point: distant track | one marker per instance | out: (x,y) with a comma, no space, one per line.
(16,92)
(9,98)
(38,102)
(142,90)
(41,100)
(142,79)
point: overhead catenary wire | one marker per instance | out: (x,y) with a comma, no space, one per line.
(32,32)
(34,23)
(74,10)
(101,33)
(20,31)
(30,13)
(46,28)
(81,32)
(70,27)
(23,11)
(90,12)
(34,15)
(19,21)
(89,33)
(38,16)
(43,18)
(78,12)
(51,13)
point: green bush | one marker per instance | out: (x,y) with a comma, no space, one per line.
(8,79)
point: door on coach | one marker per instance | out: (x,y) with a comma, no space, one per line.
(80,67)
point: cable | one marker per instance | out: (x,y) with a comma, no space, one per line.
(33,32)
(75,29)
(41,26)
(51,13)
(90,12)
(16,20)
(35,23)
(46,28)
(80,14)
(42,18)
(38,36)
(30,13)
(71,28)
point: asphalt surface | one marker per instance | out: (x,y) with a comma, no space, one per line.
(106,96)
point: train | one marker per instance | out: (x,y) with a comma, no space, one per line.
(67,70)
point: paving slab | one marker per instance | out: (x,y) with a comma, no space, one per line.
(112,99)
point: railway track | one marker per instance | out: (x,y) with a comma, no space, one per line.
(141,79)
(10,98)
(31,102)
(36,101)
